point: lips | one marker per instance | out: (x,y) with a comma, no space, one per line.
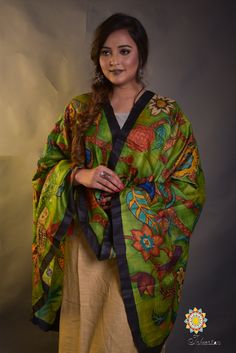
(116,72)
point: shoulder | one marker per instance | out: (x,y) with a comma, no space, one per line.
(160,104)
(77,105)
(80,102)
(167,108)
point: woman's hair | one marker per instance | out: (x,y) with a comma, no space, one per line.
(101,87)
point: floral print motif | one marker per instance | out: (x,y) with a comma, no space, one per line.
(140,138)
(149,187)
(161,104)
(188,163)
(145,283)
(145,242)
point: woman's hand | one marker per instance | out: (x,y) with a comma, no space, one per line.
(101,178)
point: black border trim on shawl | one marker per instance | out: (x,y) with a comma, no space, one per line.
(119,136)
(119,242)
(102,251)
(46,326)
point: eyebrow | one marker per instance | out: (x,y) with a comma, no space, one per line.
(120,46)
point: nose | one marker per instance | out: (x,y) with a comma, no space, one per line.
(114,60)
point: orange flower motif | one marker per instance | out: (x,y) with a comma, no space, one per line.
(140,138)
(145,242)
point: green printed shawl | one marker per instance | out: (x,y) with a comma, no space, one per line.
(150,222)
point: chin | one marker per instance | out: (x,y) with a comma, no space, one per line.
(121,82)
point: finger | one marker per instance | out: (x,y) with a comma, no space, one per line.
(104,188)
(114,179)
(112,184)
(108,186)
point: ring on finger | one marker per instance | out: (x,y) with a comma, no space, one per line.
(105,175)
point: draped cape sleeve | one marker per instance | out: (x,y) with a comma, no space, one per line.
(53,217)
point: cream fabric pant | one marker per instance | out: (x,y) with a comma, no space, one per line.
(93,317)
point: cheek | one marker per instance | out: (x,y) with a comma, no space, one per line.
(133,62)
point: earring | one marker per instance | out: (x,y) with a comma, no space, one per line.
(99,78)
(140,74)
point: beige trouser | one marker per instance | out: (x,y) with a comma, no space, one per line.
(93,317)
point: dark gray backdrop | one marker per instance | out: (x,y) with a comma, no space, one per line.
(44,51)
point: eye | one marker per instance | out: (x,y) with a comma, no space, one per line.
(105,52)
(125,51)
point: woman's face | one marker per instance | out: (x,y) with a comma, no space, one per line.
(119,59)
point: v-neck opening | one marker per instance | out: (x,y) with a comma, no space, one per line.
(138,106)
(119,135)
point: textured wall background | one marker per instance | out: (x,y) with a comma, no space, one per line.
(44,62)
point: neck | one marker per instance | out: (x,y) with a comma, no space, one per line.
(126,92)
(123,98)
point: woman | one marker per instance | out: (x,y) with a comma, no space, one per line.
(120,181)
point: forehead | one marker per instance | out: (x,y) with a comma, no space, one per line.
(119,37)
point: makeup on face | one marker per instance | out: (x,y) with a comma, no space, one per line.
(119,58)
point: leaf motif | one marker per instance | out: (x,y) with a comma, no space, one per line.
(138,205)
